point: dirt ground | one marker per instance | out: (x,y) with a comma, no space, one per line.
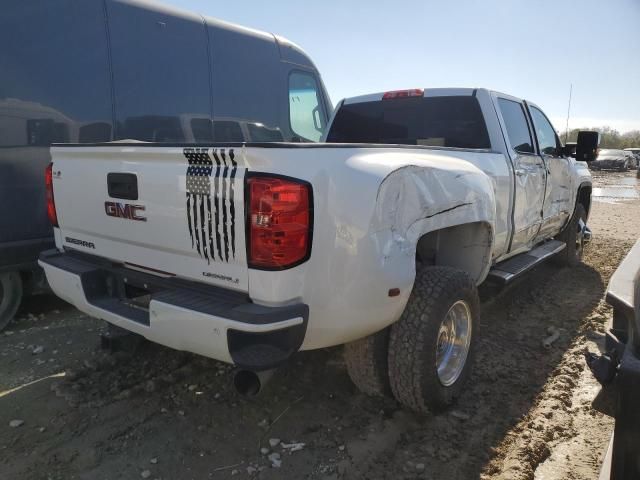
(159,413)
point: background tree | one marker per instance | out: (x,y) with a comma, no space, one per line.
(609,137)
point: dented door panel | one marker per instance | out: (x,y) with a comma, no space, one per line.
(558,202)
(530,178)
(558,198)
(529,172)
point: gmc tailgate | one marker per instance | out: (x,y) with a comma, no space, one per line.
(174,211)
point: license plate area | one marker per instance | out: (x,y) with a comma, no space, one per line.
(136,297)
(119,293)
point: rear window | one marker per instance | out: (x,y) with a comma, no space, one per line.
(453,121)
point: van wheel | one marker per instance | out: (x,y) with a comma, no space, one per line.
(366,361)
(431,347)
(10,296)
(573,236)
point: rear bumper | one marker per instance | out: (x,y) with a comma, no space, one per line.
(626,442)
(621,461)
(210,321)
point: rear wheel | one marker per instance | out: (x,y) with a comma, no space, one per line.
(431,347)
(10,296)
(574,237)
(366,361)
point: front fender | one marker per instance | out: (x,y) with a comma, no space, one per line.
(582,173)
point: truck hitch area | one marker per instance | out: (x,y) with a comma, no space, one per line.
(115,339)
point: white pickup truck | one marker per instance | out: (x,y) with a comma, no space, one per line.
(248,253)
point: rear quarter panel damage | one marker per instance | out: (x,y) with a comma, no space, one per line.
(414,200)
(371,206)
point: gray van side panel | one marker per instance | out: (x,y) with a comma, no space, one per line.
(292,53)
(160,72)
(54,87)
(248,89)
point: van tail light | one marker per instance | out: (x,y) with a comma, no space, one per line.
(280,221)
(51,204)
(415,92)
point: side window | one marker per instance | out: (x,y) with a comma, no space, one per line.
(305,111)
(517,128)
(547,139)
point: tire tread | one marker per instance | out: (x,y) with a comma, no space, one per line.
(412,384)
(366,361)
(567,257)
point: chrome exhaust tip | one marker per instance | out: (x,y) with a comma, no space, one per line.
(250,383)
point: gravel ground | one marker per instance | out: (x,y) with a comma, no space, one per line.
(158,413)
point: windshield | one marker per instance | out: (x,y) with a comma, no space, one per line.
(452,121)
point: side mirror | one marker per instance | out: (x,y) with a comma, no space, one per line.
(569,149)
(587,146)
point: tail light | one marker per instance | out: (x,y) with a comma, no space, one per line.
(280,222)
(416,92)
(51,204)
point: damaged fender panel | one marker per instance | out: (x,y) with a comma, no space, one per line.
(413,201)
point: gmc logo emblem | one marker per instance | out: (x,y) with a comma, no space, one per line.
(124,210)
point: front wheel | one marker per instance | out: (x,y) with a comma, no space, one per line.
(574,235)
(432,346)
(10,296)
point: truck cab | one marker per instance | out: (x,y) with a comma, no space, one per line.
(535,178)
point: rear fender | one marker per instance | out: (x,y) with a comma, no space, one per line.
(415,201)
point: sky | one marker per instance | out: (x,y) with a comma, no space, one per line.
(534,49)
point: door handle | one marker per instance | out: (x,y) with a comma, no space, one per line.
(520,172)
(544,167)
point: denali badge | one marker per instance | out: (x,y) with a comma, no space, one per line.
(124,210)
(221,277)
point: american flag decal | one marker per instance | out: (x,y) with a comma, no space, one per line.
(211,228)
